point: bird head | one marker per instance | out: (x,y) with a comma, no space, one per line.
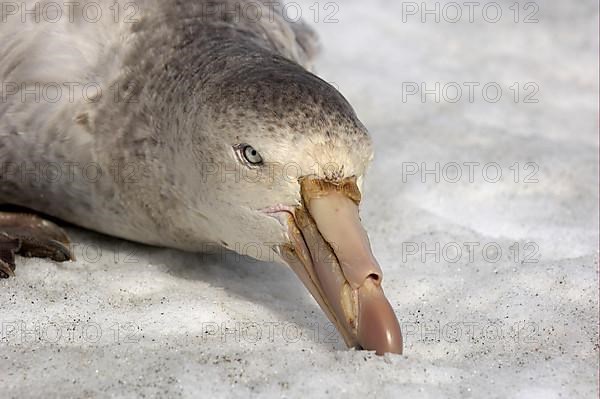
(253,152)
(283,157)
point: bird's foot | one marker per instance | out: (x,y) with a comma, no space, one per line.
(30,236)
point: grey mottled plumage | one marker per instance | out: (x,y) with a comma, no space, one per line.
(180,86)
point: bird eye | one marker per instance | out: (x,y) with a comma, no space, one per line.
(251,155)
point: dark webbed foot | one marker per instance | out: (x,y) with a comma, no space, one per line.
(8,247)
(30,236)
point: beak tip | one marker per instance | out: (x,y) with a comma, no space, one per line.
(387,340)
(379,329)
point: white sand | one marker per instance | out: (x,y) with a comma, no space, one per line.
(132,321)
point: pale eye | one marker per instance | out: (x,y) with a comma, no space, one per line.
(251,155)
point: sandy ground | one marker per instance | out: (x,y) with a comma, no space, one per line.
(483,214)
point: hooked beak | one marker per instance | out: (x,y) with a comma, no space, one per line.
(331,254)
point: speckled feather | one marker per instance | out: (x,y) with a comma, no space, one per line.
(191,85)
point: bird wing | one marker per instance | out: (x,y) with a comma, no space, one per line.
(293,38)
(305,42)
